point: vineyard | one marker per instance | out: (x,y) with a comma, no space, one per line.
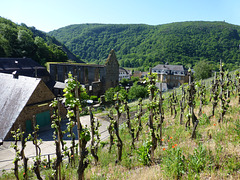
(192,132)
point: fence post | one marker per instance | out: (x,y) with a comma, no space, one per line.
(49,160)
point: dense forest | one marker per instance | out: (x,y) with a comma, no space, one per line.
(22,41)
(142,46)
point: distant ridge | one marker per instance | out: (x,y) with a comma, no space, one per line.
(144,46)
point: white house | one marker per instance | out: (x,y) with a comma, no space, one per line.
(172,75)
(123,73)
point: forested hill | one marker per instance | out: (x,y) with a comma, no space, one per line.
(145,45)
(22,41)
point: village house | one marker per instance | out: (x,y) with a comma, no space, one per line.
(172,75)
(95,78)
(123,73)
(23,97)
(140,74)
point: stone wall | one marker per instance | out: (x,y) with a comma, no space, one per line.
(97,89)
(41,93)
(99,77)
(86,74)
(173,80)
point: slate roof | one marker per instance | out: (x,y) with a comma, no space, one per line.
(60,85)
(123,70)
(14,95)
(24,66)
(169,67)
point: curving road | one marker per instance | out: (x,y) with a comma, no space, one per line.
(7,154)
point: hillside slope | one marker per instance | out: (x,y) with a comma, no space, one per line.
(20,40)
(138,45)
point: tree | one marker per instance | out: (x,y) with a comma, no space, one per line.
(134,79)
(137,91)
(124,82)
(26,42)
(109,94)
(202,70)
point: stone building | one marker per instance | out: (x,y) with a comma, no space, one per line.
(172,75)
(96,78)
(21,98)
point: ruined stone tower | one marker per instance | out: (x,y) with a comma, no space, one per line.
(112,71)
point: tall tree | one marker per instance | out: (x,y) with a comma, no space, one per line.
(202,70)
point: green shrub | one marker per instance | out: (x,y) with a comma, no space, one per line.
(197,161)
(94,98)
(144,154)
(175,162)
(137,92)
(204,120)
(237,128)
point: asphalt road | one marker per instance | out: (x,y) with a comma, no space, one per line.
(7,154)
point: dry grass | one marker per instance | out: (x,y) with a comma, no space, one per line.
(208,138)
(219,140)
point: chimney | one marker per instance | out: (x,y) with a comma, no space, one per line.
(15,75)
(36,73)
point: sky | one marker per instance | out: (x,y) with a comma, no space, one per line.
(48,15)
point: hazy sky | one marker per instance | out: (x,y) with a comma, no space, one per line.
(47,15)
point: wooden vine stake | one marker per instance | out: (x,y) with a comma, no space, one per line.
(73,137)
(170,103)
(111,129)
(201,97)
(73,103)
(237,76)
(83,138)
(223,96)
(214,94)
(36,143)
(174,103)
(191,115)
(16,135)
(161,113)
(152,89)
(56,124)
(95,136)
(116,128)
(182,106)
(22,154)
(139,116)
(129,125)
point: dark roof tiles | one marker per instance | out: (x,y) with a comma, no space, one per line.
(169,67)
(24,66)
